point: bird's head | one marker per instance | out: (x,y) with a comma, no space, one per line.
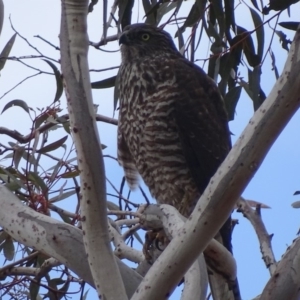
(140,40)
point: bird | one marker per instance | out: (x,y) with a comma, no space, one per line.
(173,126)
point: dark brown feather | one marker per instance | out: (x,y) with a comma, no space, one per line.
(173,127)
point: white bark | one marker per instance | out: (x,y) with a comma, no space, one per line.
(285,282)
(263,237)
(57,239)
(74,47)
(228,183)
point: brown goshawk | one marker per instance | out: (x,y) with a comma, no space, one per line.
(173,127)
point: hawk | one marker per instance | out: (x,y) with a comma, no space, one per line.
(173,127)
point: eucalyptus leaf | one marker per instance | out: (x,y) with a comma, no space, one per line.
(16,102)
(260,33)
(6,50)
(58,77)
(8,248)
(53,146)
(105,83)
(39,182)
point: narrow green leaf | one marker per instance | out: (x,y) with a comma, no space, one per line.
(248,47)
(112,206)
(18,153)
(66,126)
(229,15)
(231,100)
(71,174)
(59,81)
(39,182)
(281,5)
(164,8)
(11,178)
(16,102)
(150,12)
(12,186)
(30,158)
(255,4)
(290,25)
(122,8)
(40,120)
(9,249)
(104,84)
(53,146)
(228,62)
(260,33)
(63,290)
(57,281)
(296,204)
(1,15)
(56,169)
(178,5)
(195,14)
(212,67)
(219,12)
(62,196)
(33,290)
(136,235)
(85,295)
(6,50)
(254,85)
(4,236)
(179,34)
(41,258)
(246,87)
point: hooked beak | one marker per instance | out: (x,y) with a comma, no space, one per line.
(124,39)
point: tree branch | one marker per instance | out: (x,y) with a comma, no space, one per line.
(263,237)
(59,240)
(74,48)
(285,283)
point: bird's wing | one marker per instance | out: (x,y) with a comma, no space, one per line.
(126,161)
(202,122)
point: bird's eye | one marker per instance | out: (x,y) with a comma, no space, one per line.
(145,36)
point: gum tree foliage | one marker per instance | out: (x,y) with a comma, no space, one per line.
(45,256)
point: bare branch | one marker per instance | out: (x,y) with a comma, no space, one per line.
(285,283)
(28,43)
(23,139)
(264,238)
(19,83)
(74,48)
(124,251)
(59,240)
(47,42)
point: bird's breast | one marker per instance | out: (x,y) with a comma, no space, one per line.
(148,125)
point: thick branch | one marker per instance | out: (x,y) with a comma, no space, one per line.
(74,47)
(228,183)
(57,239)
(285,283)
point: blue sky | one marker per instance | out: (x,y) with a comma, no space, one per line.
(274,183)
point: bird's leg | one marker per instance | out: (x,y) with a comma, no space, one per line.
(154,239)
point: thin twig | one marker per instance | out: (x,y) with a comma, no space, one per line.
(28,77)
(28,43)
(47,42)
